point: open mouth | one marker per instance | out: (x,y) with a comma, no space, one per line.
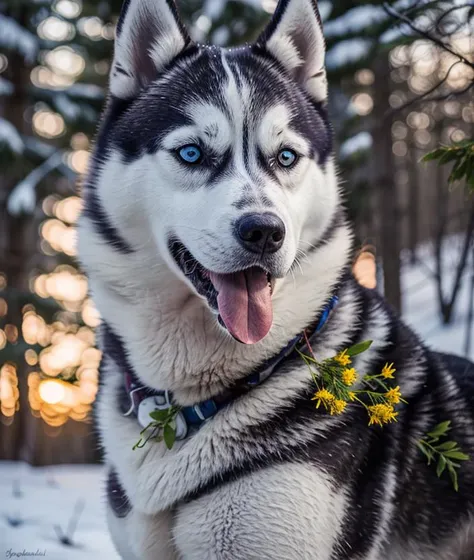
(243,299)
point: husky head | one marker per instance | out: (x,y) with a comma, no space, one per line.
(217,162)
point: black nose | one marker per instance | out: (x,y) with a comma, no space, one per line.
(261,233)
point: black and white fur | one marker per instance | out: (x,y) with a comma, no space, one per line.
(269,477)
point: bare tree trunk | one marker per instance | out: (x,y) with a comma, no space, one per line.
(461,266)
(384,179)
(447,302)
(413,201)
(470,315)
(440,233)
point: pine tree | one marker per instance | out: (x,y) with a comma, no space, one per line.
(382,97)
(54,61)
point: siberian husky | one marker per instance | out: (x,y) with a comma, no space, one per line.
(214,235)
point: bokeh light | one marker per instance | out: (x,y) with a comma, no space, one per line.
(3,307)
(55,29)
(68,8)
(9,393)
(362,103)
(64,60)
(77,160)
(365,269)
(91,27)
(365,77)
(44,77)
(51,391)
(3,63)
(48,124)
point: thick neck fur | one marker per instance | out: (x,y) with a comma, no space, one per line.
(173,340)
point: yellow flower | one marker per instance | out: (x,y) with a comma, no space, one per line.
(337,406)
(381,414)
(349,376)
(393,395)
(343,358)
(388,371)
(352,395)
(324,397)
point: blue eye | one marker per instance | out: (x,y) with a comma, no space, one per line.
(190,153)
(286,157)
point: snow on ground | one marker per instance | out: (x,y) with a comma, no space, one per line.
(50,495)
(420,307)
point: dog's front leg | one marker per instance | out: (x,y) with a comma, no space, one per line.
(136,535)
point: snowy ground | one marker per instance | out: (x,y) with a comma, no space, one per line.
(48,497)
(420,300)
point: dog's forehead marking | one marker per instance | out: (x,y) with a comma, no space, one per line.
(207,115)
(208,122)
(212,122)
(235,96)
(275,131)
(274,122)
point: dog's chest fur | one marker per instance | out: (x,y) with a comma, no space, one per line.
(271,460)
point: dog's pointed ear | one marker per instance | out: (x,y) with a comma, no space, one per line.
(294,37)
(149,35)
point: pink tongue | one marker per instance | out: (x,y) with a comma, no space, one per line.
(245,303)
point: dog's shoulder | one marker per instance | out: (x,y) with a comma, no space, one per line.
(462,370)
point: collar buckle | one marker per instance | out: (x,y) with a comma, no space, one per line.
(160,401)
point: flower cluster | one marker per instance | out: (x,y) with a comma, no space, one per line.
(336,379)
(336,387)
(329,401)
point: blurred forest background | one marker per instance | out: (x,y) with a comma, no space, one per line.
(401,84)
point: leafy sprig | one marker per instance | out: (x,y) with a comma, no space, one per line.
(161,428)
(446,454)
(334,382)
(461,154)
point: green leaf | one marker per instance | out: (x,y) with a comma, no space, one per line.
(447,446)
(441,466)
(160,415)
(435,154)
(427,452)
(458,171)
(308,360)
(440,429)
(459,455)
(169,435)
(449,155)
(453,475)
(470,169)
(470,181)
(359,348)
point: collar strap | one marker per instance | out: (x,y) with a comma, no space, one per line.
(143,400)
